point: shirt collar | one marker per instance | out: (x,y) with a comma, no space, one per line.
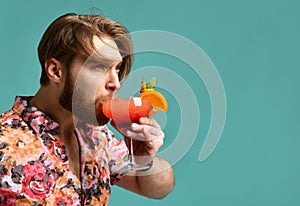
(42,123)
(39,121)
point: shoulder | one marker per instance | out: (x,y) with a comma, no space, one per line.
(10,121)
(15,136)
(8,117)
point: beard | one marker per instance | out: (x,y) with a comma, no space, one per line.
(81,104)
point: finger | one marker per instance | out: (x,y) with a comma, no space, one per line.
(148,121)
(137,127)
(135,135)
(152,147)
(155,144)
(147,129)
(141,136)
(153,131)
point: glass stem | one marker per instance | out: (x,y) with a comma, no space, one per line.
(131,150)
(131,157)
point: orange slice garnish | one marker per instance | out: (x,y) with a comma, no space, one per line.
(156,98)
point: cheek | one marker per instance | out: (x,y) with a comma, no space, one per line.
(100,88)
(92,86)
(89,86)
(99,91)
(88,81)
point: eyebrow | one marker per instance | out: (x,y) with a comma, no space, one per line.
(118,63)
(103,60)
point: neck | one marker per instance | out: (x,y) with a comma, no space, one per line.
(48,102)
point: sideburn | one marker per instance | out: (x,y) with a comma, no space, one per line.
(65,99)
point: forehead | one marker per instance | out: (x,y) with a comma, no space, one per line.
(107,48)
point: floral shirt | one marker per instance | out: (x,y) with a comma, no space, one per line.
(34,163)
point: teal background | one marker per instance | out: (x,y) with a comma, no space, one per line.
(255,47)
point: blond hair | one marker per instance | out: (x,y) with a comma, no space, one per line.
(72,35)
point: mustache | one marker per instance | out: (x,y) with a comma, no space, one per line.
(105,98)
(115,95)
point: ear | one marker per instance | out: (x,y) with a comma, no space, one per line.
(54,70)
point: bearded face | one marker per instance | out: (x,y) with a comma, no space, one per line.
(91,81)
(82,102)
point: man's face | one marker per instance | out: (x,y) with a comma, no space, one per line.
(90,82)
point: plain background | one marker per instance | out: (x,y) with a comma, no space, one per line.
(255,48)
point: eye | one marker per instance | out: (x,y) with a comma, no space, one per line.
(118,68)
(99,66)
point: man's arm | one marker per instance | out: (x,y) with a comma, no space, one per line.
(158,181)
(155,183)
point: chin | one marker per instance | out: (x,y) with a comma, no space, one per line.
(101,118)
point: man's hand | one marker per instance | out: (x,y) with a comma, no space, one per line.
(147,137)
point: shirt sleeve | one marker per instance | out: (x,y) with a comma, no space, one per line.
(117,152)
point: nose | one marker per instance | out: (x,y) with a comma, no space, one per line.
(113,84)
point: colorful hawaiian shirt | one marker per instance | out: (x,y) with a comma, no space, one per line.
(34,162)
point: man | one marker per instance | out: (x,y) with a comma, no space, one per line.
(55,148)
